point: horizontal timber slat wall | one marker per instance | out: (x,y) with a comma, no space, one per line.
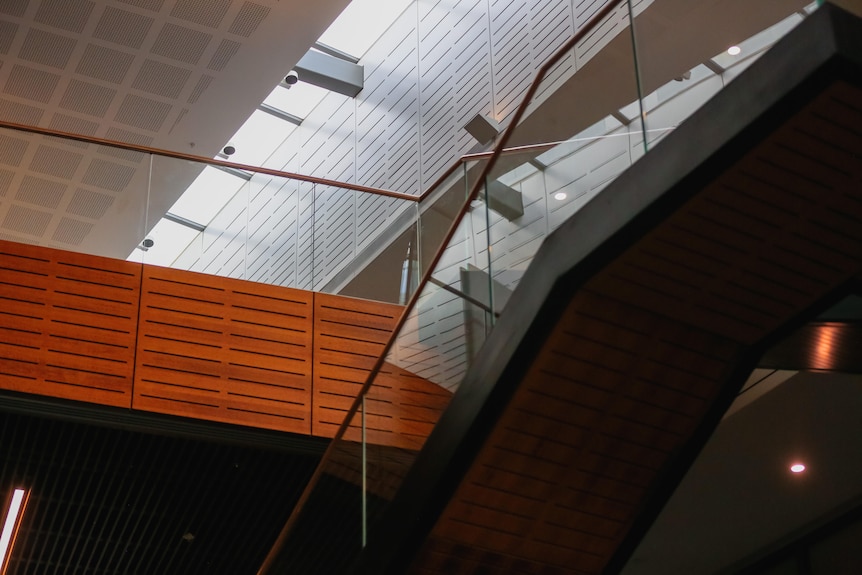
(67,324)
(401,408)
(122,334)
(224,350)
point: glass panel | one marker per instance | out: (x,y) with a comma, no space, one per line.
(273,225)
(680,72)
(453,312)
(548,172)
(259,137)
(198,218)
(328,532)
(415,384)
(167,241)
(334,235)
(383,264)
(207,195)
(403,406)
(438,212)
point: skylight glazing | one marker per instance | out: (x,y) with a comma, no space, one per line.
(358,27)
(361,25)
(259,137)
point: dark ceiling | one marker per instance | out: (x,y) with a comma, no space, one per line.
(739,500)
(125,500)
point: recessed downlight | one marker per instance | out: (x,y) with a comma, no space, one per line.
(797,467)
(734,50)
(560,196)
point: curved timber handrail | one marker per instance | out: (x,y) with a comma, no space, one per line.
(411,304)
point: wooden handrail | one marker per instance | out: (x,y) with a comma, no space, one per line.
(411,304)
(205,160)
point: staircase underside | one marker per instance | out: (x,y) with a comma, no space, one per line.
(638,321)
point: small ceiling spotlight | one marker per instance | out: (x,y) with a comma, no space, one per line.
(291,78)
(148,243)
(734,50)
(797,467)
(229,150)
(560,196)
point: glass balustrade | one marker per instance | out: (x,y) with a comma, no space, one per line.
(196,215)
(605,102)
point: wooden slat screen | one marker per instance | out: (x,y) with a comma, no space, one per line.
(224,350)
(67,324)
(181,343)
(349,337)
(401,407)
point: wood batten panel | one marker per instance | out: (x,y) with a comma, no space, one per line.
(68,323)
(349,337)
(224,350)
(401,408)
(583,439)
(207,347)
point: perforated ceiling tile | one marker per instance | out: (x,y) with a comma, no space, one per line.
(47,48)
(123,27)
(161,79)
(71,231)
(55,162)
(204,12)
(26,220)
(87,98)
(12,150)
(226,50)
(200,88)
(7,34)
(20,113)
(108,175)
(142,112)
(106,64)
(31,84)
(154,5)
(248,19)
(71,15)
(13,7)
(120,135)
(5,181)
(40,192)
(73,125)
(178,119)
(89,204)
(182,44)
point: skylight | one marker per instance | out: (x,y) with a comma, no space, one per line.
(299,100)
(358,27)
(361,25)
(208,193)
(259,137)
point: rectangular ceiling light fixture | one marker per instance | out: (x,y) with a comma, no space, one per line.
(10,526)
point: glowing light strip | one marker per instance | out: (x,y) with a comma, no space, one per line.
(7,537)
